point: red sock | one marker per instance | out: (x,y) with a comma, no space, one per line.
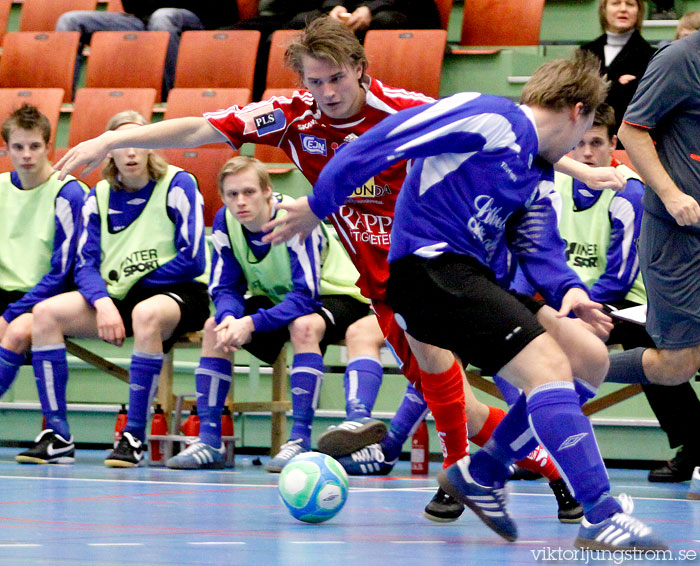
(444,394)
(495,416)
(538,461)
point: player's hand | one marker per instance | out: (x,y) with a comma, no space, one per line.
(299,220)
(110,326)
(360,19)
(340,14)
(605,178)
(89,153)
(232,333)
(577,301)
(626,79)
(684,208)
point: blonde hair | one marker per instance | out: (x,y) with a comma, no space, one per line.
(157,166)
(641,13)
(326,39)
(563,83)
(690,22)
(241,163)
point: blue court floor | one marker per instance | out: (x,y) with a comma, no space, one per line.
(87,514)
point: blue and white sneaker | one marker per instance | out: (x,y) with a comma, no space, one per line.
(198,456)
(350,436)
(286,453)
(368,461)
(694,491)
(619,532)
(489,503)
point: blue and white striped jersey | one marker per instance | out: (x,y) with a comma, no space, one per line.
(476,187)
(228,284)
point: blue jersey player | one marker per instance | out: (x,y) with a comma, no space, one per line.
(474,204)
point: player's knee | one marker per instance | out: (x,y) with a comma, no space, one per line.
(594,362)
(307,330)
(364,333)
(679,365)
(44,317)
(145,318)
(18,337)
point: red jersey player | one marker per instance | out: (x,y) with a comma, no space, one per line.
(341,102)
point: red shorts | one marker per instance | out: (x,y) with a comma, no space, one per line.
(396,339)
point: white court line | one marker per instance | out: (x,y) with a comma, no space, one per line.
(418,542)
(115,544)
(317,542)
(18,545)
(530,542)
(215,543)
(147,482)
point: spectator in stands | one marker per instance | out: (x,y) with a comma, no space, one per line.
(663,10)
(293,296)
(139,270)
(601,229)
(152,15)
(622,51)
(40,215)
(361,16)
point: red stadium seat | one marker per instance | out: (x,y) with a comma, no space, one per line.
(47,100)
(40,15)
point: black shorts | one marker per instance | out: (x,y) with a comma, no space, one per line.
(454,302)
(191,297)
(338,312)
(9,297)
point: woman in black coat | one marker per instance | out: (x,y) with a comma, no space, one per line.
(622,51)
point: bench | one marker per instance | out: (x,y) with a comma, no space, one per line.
(278,405)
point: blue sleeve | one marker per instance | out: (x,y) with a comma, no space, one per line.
(69,202)
(89,253)
(622,266)
(422,131)
(186,209)
(305,296)
(540,250)
(227,284)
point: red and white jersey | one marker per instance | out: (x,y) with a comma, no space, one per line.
(311,139)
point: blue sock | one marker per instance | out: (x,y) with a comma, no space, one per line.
(584,390)
(511,441)
(510,392)
(555,415)
(10,363)
(626,367)
(51,374)
(405,422)
(143,382)
(213,377)
(305,381)
(363,376)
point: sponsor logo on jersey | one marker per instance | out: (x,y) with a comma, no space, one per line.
(374,229)
(370,190)
(348,139)
(582,255)
(312,144)
(306,126)
(263,120)
(140,261)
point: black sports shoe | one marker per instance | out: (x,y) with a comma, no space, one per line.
(127,454)
(49,448)
(443,508)
(570,510)
(679,469)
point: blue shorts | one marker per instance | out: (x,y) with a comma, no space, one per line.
(669,257)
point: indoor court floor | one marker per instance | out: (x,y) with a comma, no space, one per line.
(87,514)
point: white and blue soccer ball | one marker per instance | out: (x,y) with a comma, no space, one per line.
(314,487)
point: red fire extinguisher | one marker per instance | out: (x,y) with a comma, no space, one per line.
(119,425)
(158,426)
(420,450)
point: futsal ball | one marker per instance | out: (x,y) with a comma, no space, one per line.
(314,487)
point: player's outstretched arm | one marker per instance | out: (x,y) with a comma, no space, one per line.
(299,220)
(180,132)
(593,177)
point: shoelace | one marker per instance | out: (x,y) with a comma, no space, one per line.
(368,453)
(289,449)
(625,520)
